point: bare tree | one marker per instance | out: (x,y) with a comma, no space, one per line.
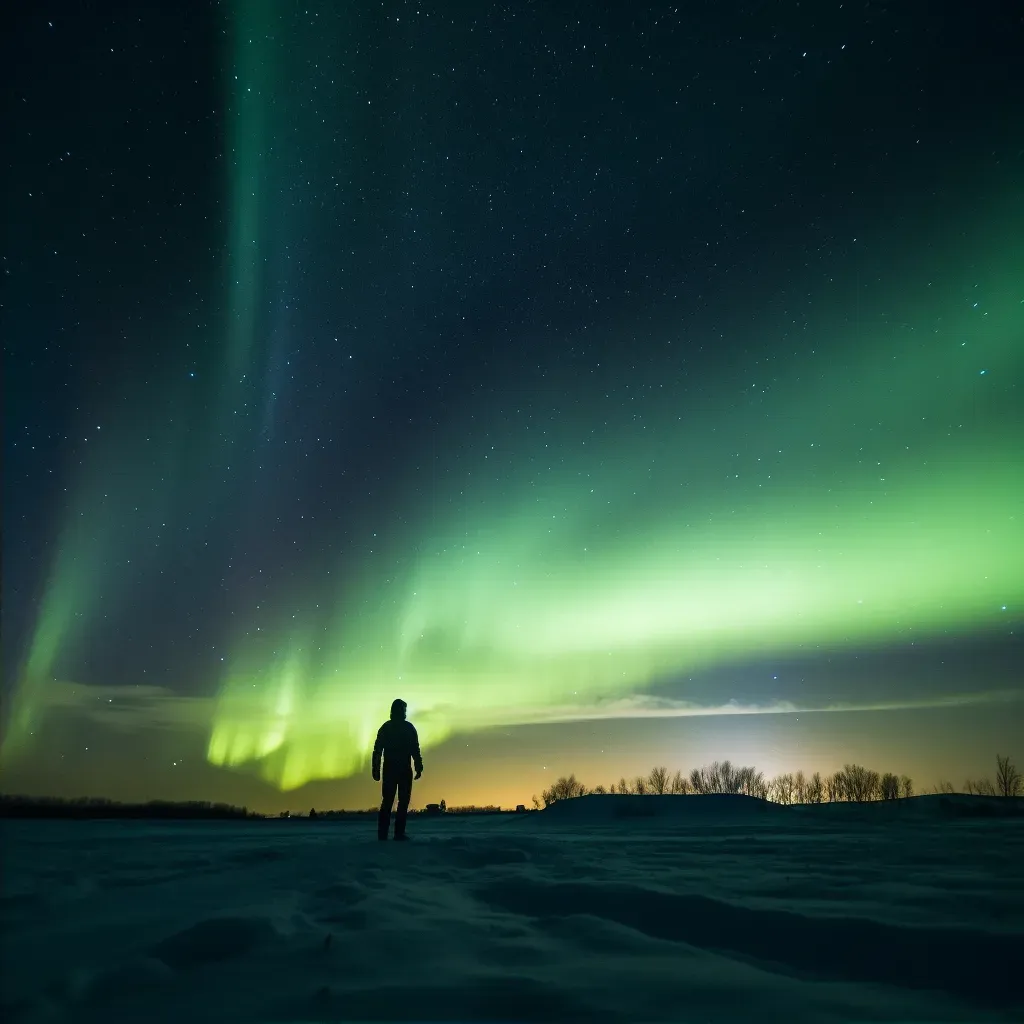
(679,784)
(1008,779)
(641,786)
(980,787)
(815,789)
(858,782)
(536,802)
(782,788)
(752,783)
(800,788)
(889,787)
(658,780)
(944,787)
(730,777)
(723,777)
(623,786)
(906,787)
(564,788)
(834,789)
(599,791)
(842,784)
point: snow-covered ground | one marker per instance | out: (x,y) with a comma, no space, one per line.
(715,909)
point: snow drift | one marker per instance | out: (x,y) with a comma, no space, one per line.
(701,909)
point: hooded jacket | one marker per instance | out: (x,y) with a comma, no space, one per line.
(398,742)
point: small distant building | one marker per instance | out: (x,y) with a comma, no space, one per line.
(433,809)
(520,808)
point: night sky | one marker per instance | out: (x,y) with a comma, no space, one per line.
(618,384)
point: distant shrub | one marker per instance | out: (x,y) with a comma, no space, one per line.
(889,787)
(857,783)
(723,777)
(564,788)
(980,787)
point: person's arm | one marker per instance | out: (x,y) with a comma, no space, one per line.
(417,759)
(378,749)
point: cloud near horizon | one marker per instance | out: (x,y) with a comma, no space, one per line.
(131,708)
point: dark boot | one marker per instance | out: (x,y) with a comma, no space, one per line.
(401,837)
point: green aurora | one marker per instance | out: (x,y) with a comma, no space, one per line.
(600,577)
(867,491)
(637,559)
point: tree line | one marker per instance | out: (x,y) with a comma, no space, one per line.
(85,807)
(98,807)
(852,783)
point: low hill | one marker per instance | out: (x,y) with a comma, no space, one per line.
(614,806)
(727,807)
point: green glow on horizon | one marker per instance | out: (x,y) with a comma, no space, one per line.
(481,642)
(540,600)
(597,578)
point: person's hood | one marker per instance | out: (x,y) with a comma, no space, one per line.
(398,709)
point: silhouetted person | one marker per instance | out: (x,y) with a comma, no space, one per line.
(398,742)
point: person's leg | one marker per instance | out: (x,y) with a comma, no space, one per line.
(404,796)
(387,790)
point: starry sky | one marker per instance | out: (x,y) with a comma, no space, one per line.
(617,384)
